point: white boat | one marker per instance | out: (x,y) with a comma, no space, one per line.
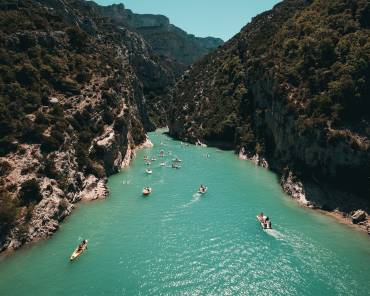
(147,191)
(265,224)
(149,171)
(203,190)
(176,166)
(153,159)
(199,143)
(162,164)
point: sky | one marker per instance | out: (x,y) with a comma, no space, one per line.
(216,18)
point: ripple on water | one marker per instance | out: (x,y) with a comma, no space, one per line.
(178,242)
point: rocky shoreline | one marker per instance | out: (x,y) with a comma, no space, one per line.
(47,215)
(292,186)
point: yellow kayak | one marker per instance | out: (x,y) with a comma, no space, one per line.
(78,251)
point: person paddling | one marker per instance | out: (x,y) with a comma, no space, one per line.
(268,223)
(82,244)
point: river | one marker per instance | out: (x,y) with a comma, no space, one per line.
(178,242)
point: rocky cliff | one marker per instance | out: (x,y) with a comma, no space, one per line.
(73,91)
(176,49)
(290,91)
(165,38)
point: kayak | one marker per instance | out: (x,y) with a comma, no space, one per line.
(77,253)
(147,191)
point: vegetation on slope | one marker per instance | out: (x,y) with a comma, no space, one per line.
(292,86)
(72,101)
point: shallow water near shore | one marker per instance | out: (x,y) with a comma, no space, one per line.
(178,242)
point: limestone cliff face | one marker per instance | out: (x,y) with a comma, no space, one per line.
(174,47)
(165,39)
(73,93)
(290,90)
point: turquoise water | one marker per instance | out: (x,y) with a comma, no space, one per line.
(176,242)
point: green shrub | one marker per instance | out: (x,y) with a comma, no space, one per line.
(77,38)
(30,192)
(83,77)
(8,212)
(27,75)
(41,118)
(49,144)
(108,116)
(5,167)
(95,169)
(49,168)
(7,145)
(67,85)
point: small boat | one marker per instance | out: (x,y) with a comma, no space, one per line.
(176,160)
(147,191)
(202,190)
(264,221)
(162,164)
(176,166)
(199,143)
(161,154)
(145,157)
(149,171)
(153,159)
(148,163)
(79,250)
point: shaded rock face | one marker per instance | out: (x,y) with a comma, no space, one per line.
(176,48)
(287,93)
(73,100)
(165,38)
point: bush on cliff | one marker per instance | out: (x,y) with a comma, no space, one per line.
(8,211)
(29,192)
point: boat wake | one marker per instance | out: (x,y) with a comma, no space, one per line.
(276,234)
(196,198)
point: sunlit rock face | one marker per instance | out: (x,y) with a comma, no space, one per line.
(74,88)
